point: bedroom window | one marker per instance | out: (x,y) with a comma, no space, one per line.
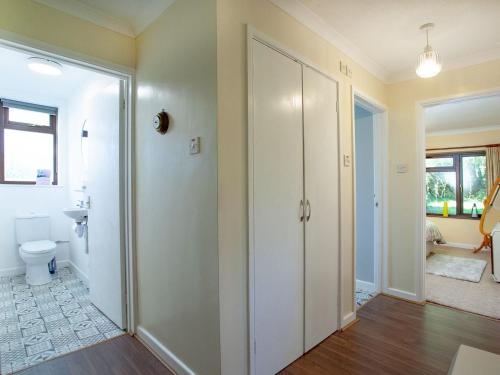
(457,178)
(28,142)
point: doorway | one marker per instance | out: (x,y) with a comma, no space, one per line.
(459,145)
(65,197)
(369,159)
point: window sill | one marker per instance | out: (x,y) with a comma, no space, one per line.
(30,186)
(460,217)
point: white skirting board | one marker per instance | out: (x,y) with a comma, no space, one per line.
(78,272)
(459,245)
(165,355)
(8,272)
(348,319)
(401,294)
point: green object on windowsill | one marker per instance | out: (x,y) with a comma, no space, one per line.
(474,213)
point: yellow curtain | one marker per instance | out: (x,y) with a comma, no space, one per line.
(492,165)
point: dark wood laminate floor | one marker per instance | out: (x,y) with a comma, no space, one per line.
(397,337)
(123,355)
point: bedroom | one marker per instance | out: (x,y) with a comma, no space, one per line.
(462,153)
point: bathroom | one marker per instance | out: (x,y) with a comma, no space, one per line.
(62,282)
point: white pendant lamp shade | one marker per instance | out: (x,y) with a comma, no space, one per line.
(428,64)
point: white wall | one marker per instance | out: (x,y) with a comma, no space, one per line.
(365,187)
(176,193)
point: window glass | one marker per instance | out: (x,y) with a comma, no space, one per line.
(473,182)
(26,152)
(441,187)
(439,162)
(29,117)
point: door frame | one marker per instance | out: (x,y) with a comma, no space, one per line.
(127,78)
(381,166)
(420,253)
(253,34)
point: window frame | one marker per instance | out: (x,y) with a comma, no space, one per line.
(12,125)
(457,168)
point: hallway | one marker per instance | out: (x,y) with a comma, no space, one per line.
(397,337)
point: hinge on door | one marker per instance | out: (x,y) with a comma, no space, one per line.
(123,104)
(254,347)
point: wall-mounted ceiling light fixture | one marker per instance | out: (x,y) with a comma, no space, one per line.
(44,66)
(428,64)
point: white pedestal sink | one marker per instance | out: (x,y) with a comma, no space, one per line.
(77,214)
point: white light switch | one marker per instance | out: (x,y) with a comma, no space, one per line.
(347,160)
(402,168)
(194,146)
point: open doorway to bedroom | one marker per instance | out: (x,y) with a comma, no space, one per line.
(369,164)
(462,153)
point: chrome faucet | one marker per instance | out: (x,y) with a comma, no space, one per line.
(83,204)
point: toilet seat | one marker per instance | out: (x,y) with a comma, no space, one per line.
(38,247)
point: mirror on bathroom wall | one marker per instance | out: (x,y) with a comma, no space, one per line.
(85,152)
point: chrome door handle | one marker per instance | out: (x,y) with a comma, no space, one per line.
(301,210)
(308,210)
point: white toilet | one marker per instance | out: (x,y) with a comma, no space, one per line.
(35,248)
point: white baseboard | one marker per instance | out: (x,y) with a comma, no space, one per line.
(169,358)
(79,273)
(365,285)
(348,319)
(459,245)
(14,271)
(402,294)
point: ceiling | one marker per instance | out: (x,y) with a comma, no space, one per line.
(19,83)
(129,17)
(463,116)
(384,36)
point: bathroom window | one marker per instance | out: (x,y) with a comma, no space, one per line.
(28,143)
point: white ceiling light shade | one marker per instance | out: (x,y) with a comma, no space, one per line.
(44,66)
(428,64)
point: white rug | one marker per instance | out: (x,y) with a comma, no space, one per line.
(455,267)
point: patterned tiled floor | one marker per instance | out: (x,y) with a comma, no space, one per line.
(363,296)
(41,322)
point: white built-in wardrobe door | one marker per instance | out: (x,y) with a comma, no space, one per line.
(321,191)
(277,192)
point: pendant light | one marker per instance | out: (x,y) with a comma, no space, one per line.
(428,64)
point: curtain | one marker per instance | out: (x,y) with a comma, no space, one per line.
(492,165)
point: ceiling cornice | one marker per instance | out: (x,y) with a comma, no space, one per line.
(311,20)
(97,17)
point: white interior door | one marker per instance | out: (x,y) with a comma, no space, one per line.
(322,207)
(106,251)
(277,192)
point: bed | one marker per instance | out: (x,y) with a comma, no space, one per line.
(432,236)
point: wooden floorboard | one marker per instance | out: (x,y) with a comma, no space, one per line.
(397,337)
(123,355)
